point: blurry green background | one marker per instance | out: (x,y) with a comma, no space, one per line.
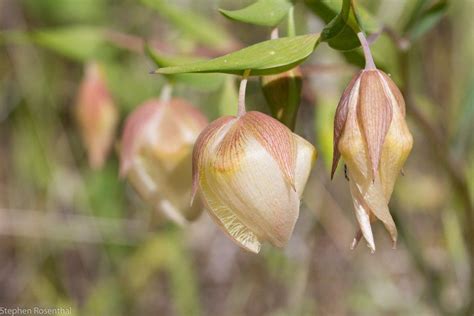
(73,237)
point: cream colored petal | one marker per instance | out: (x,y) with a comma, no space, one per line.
(254,192)
(397,147)
(276,138)
(371,191)
(354,152)
(202,144)
(228,221)
(363,216)
(305,157)
(135,126)
(178,126)
(156,184)
(340,118)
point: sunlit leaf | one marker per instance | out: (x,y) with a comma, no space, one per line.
(206,82)
(269,57)
(195,26)
(262,12)
(328,9)
(85,11)
(341,32)
(344,21)
(76,42)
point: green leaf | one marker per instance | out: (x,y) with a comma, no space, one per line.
(344,22)
(66,11)
(341,32)
(427,20)
(203,82)
(262,12)
(411,12)
(195,26)
(269,57)
(76,42)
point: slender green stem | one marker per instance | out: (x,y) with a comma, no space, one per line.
(243,85)
(291,22)
(166,92)
(369,60)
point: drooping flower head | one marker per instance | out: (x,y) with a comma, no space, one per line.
(96,115)
(156,152)
(250,172)
(371,135)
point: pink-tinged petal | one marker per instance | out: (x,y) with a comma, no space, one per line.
(200,146)
(190,114)
(242,184)
(96,114)
(176,129)
(253,201)
(231,148)
(276,138)
(392,88)
(375,115)
(135,125)
(340,120)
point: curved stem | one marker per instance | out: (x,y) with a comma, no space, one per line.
(243,85)
(369,61)
(274,34)
(166,92)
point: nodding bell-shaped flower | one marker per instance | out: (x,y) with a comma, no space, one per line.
(96,115)
(156,154)
(371,135)
(250,172)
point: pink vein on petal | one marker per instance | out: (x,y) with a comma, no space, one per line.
(199,147)
(277,139)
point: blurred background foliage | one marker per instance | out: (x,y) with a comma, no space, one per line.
(73,237)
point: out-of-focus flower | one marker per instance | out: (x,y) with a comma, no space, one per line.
(250,172)
(372,136)
(156,155)
(96,115)
(283,94)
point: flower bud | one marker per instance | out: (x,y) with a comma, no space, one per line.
(96,115)
(156,155)
(250,172)
(283,94)
(371,134)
